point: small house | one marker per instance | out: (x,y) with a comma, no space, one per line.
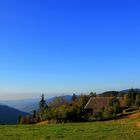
(97,104)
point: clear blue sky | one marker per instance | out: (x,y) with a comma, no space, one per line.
(66,46)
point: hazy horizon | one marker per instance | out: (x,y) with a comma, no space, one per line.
(73,46)
(26,96)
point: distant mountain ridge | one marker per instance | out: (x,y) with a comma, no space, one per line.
(116,93)
(28,105)
(35,106)
(18,103)
(9,115)
(108,93)
(127,90)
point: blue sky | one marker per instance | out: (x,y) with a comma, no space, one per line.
(59,46)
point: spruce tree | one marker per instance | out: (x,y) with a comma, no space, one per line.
(42,106)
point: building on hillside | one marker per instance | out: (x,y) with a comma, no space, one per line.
(98,104)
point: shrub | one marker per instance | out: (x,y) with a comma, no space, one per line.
(108,113)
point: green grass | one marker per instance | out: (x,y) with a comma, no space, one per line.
(124,129)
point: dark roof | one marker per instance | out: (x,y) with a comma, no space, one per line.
(98,103)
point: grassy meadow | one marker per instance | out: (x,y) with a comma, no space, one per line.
(123,129)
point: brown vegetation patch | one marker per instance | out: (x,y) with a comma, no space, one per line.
(43,123)
(134,116)
(138,124)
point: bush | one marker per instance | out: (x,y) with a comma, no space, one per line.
(108,113)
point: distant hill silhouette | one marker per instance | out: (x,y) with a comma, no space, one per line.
(28,105)
(116,93)
(127,90)
(19,104)
(108,93)
(9,115)
(29,108)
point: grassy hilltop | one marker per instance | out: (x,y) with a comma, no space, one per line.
(127,128)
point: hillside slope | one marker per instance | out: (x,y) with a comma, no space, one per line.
(9,115)
(122,129)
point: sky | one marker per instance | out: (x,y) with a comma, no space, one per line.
(68,46)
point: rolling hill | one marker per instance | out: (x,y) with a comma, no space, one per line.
(9,115)
(116,93)
(108,93)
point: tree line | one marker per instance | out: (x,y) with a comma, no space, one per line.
(62,111)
